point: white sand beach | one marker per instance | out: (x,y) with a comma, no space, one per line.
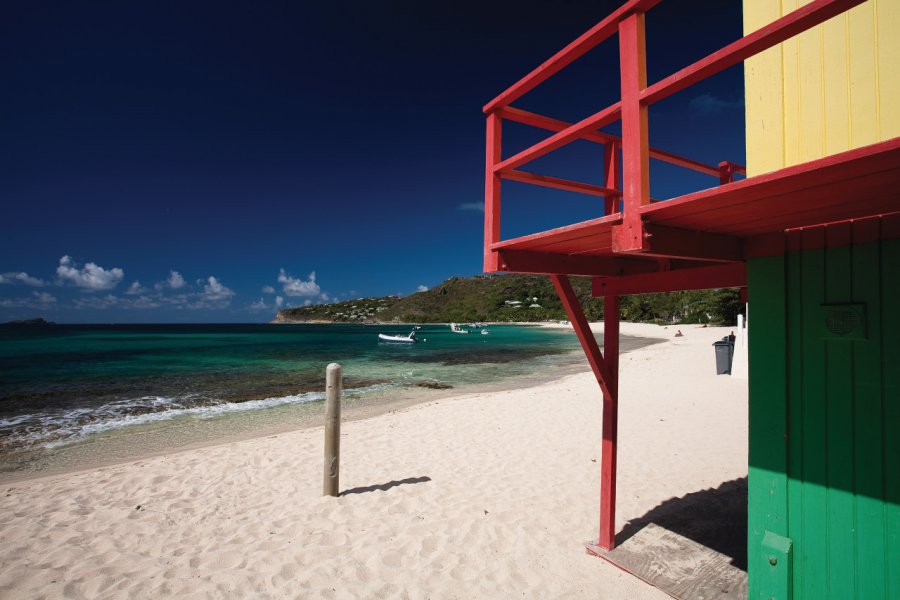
(486,495)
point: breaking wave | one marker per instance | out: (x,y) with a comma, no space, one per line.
(54,428)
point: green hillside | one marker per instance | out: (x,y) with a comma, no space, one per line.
(513,297)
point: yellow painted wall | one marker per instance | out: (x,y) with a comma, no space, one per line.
(830,89)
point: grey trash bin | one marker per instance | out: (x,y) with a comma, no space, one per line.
(724,354)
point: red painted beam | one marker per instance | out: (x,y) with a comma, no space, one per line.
(772,34)
(595,121)
(700,278)
(550,124)
(583,230)
(629,236)
(671,242)
(585,42)
(493,153)
(609,445)
(583,331)
(523,261)
(509,113)
(681,161)
(559,184)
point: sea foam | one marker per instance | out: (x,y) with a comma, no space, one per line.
(58,428)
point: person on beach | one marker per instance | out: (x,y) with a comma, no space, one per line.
(679,334)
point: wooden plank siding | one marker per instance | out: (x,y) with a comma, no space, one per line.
(825,416)
(830,89)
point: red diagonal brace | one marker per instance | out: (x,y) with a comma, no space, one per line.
(582,330)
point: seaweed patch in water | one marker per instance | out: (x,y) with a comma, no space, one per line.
(484,357)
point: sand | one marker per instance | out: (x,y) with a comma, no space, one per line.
(478,496)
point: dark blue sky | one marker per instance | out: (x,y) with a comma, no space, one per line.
(245,146)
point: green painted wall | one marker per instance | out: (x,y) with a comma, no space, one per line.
(824,474)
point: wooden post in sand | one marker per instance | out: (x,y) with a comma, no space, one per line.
(332,429)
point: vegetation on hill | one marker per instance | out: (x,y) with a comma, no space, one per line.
(513,297)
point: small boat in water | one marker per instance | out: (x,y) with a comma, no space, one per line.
(457,329)
(485,332)
(407,339)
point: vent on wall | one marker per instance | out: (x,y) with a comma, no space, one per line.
(843,321)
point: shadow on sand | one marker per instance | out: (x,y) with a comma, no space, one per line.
(385,486)
(715,518)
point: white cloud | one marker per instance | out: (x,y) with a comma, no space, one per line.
(91,277)
(214,291)
(279,301)
(268,289)
(21,277)
(135,288)
(475,206)
(307,302)
(96,302)
(37,300)
(422,288)
(258,305)
(44,298)
(176,300)
(293,286)
(175,280)
(145,302)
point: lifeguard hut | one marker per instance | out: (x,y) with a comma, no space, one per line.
(811,232)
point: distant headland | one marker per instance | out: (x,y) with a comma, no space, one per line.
(486,298)
(516,298)
(39,322)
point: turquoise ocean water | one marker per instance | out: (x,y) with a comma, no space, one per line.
(96,391)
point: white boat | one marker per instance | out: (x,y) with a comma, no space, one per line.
(457,329)
(408,339)
(484,332)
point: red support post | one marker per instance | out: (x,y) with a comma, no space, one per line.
(726,172)
(606,370)
(492,193)
(611,175)
(629,236)
(609,445)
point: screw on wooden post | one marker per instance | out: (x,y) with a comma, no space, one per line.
(332,429)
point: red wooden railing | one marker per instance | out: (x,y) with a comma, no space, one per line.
(632,148)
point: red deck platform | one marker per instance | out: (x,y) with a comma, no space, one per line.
(721,224)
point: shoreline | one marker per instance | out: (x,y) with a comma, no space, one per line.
(118,447)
